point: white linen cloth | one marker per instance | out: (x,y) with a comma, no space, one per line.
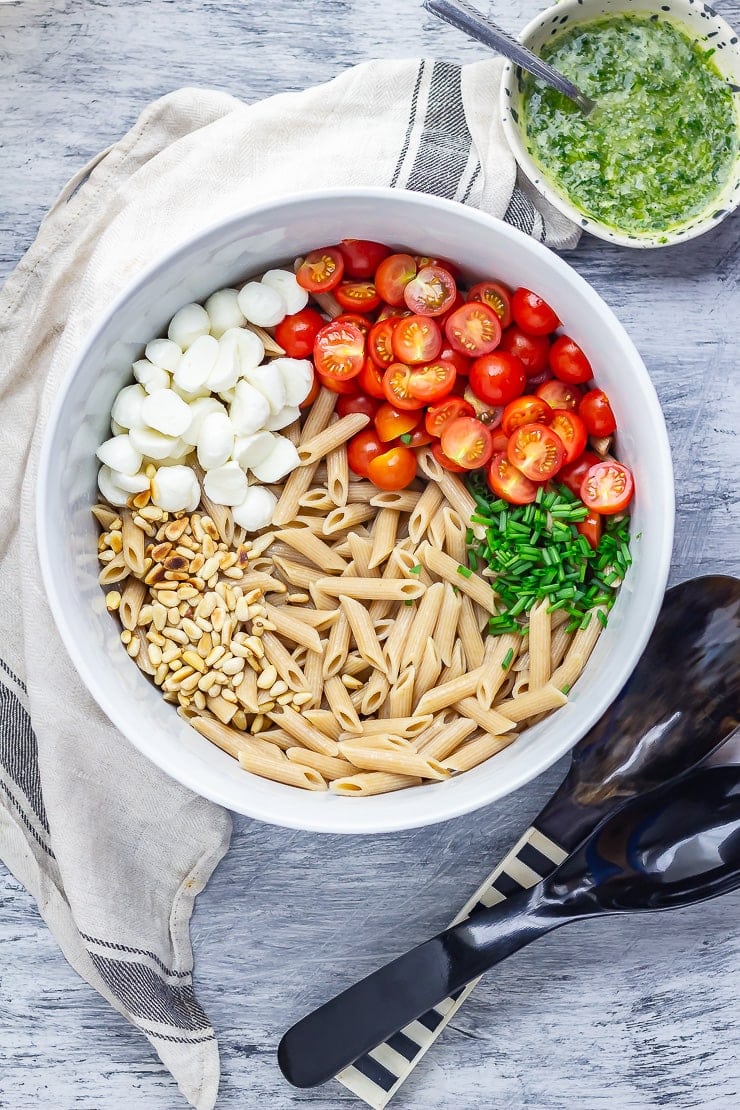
(113,851)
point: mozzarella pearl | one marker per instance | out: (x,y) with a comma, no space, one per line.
(166,412)
(226,485)
(196,364)
(282,459)
(284,281)
(256,509)
(164,353)
(188,324)
(119,453)
(126,411)
(215,440)
(224,312)
(261,305)
(175,488)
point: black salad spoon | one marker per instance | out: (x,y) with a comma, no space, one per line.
(677,845)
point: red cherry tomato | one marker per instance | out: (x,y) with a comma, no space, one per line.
(296,333)
(441,413)
(558,395)
(390,312)
(420,437)
(590,528)
(473,329)
(572,474)
(321,271)
(568,362)
(339,350)
(536,451)
(467,442)
(432,292)
(489,415)
(355,318)
(337,385)
(499,440)
(416,339)
(460,362)
(532,314)
(524,410)
(315,390)
(393,275)
(379,345)
(571,431)
(423,260)
(496,296)
(357,296)
(532,350)
(497,378)
(390,423)
(509,483)
(446,462)
(362,257)
(397,387)
(370,380)
(433,381)
(394,469)
(596,413)
(362,449)
(607,487)
(358,402)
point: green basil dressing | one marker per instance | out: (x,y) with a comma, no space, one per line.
(662,140)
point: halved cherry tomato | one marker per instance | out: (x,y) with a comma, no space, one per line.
(432,292)
(394,469)
(524,410)
(321,271)
(496,296)
(499,440)
(337,385)
(397,387)
(393,275)
(497,378)
(362,449)
(490,415)
(571,431)
(461,363)
(362,257)
(357,402)
(355,318)
(534,383)
(558,395)
(607,487)
(433,381)
(441,413)
(467,442)
(296,333)
(568,362)
(473,329)
(358,296)
(390,422)
(458,302)
(590,528)
(596,413)
(536,451)
(315,390)
(508,482)
(389,312)
(370,380)
(532,314)
(423,260)
(339,350)
(416,339)
(379,345)
(446,462)
(532,350)
(572,474)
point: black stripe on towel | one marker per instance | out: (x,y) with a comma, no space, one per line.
(375,1072)
(19,762)
(520,212)
(410,127)
(444,147)
(137,952)
(146,996)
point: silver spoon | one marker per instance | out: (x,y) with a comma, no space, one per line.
(474,23)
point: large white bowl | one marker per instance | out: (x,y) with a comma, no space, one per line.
(223,255)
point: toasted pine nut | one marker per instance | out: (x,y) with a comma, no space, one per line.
(194,660)
(233,666)
(126,636)
(267,678)
(112,601)
(215,655)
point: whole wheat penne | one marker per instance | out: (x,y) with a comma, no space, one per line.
(277,738)
(337,473)
(132,599)
(298,483)
(293,432)
(361,550)
(368,783)
(428,670)
(429,465)
(247,691)
(445,630)
(319,414)
(325,721)
(221,515)
(291,626)
(313,672)
(436,529)
(329,766)
(294,572)
(531,703)
(337,648)
(318,499)
(406,727)
(363,631)
(229,740)
(499,650)
(105,516)
(384,741)
(491,720)
(450,693)
(305,733)
(458,665)
(409,566)
(394,646)
(341,705)
(568,671)
(258,580)
(346,516)
(272,347)
(402,500)
(114,571)
(457,494)
(401,696)
(371,588)
(448,739)
(319,445)
(476,588)
(134,542)
(584,639)
(360,490)
(382,607)
(475,751)
(559,643)
(427,615)
(521,683)
(539,644)
(455,532)
(393,761)
(321,600)
(283,662)
(384,535)
(374,694)
(424,510)
(291,774)
(383,628)
(313,548)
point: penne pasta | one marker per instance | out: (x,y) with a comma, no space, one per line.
(371,782)
(363,632)
(539,645)
(455,531)
(447,739)
(324,721)
(319,414)
(424,510)
(491,720)
(559,644)
(370,589)
(132,599)
(498,656)
(450,693)
(297,484)
(568,671)
(427,615)
(532,703)
(134,542)
(475,751)
(283,662)
(113,572)
(347,516)
(313,548)
(337,648)
(402,500)
(428,670)
(361,550)
(291,774)
(341,704)
(409,566)
(393,761)
(375,693)
(301,730)
(476,588)
(405,727)
(331,767)
(469,633)
(318,499)
(401,696)
(316,447)
(445,630)
(292,627)
(225,738)
(295,573)
(458,665)
(384,535)
(337,475)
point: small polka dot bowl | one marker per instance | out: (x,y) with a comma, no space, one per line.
(698,22)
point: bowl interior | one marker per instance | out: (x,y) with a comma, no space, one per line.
(700,22)
(225,255)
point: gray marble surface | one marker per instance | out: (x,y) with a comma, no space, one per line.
(614,1014)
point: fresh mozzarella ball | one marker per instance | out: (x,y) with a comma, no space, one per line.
(166,412)
(261,305)
(150,376)
(127,407)
(282,459)
(175,488)
(226,369)
(215,440)
(285,282)
(179,450)
(251,349)
(199,410)
(164,353)
(120,454)
(256,509)
(224,312)
(270,384)
(152,444)
(132,483)
(287,415)
(188,397)
(110,489)
(196,364)
(249,409)
(187,325)
(226,485)
(251,450)
(297,375)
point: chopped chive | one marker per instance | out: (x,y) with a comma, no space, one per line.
(566,688)
(416,569)
(409,602)
(506,661)
(466,572)
(405,438)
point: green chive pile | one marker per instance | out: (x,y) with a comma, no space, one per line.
(536,552)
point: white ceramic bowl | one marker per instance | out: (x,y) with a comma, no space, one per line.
(223,255)
(699,21)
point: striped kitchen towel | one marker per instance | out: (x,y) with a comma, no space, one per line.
(113,851)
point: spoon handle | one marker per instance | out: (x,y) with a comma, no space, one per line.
(335,1035)
(473,23)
